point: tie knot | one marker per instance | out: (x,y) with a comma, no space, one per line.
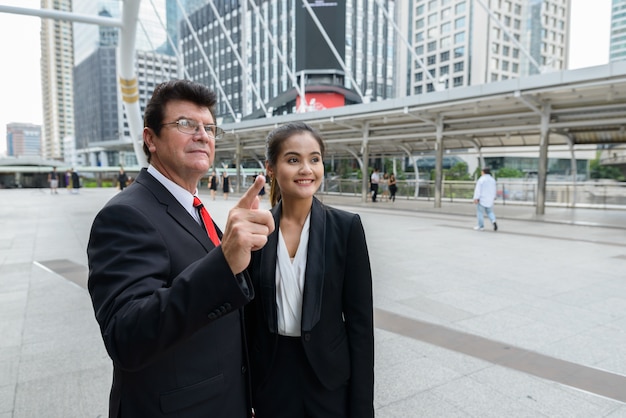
(197,203)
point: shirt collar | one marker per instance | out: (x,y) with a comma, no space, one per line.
(181,194)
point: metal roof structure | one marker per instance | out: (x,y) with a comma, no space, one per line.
(585,106)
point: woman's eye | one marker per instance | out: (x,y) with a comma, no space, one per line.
(292,160)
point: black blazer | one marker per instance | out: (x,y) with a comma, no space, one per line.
(337,312)
(168,308)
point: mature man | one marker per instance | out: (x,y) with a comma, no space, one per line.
(167,286)
(484,197)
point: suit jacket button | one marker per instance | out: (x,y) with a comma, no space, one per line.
(307,337)
(243,369)
(212,316)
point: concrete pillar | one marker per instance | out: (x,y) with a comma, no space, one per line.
(439,162)
(542,171)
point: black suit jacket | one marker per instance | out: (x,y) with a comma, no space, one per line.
(337,312)
(168,307)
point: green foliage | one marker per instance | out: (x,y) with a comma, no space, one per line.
(599,171)
(457,172)
(508,173)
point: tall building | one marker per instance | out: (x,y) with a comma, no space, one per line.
(469,42)
(57,60)
(102,132)
(617,49)
(23,139)
(272,46)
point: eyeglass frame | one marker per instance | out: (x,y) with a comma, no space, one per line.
(218,134)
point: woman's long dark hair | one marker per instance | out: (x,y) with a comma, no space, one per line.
(273,147)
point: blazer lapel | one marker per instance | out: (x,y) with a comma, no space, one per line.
(267,269)
(315,267)
(175,210)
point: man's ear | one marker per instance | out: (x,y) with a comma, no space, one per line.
(148,139)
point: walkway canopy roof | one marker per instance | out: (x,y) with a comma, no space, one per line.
(586,106)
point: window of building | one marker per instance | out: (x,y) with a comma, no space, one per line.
(417,90)
(444,69)
(444,56)
(458,66)
(459,23)
(432,46)
(505,65)
(419,36)
(433,32)
(445,27)
(494,77)
(459,38)
(431,60)
(419,10)
(419,24)
(432,19)
(419,76)
(459,8)
(419,50)
(459,51)
(445,13)
(432,5)
(515,53)
(457,81)
(506,50)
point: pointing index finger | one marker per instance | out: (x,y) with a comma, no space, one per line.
(250,198)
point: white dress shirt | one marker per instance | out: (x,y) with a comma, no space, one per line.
(290,283)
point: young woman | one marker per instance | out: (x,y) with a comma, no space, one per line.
(393,187)
(213,182)
(310,325)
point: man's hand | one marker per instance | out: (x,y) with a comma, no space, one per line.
(247,228)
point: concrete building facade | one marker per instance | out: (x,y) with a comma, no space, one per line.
(460,43)
(23,139)
(57,61)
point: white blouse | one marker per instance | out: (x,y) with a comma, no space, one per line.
(290,283)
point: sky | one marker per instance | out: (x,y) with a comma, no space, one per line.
(20,84)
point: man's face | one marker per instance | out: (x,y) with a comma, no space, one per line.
(183,158)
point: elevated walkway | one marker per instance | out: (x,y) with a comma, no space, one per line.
(527,321)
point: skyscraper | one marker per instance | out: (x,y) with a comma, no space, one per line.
(468,42)
(273,46)
(618,31)
(57,60)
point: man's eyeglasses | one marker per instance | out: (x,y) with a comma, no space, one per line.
(191,127)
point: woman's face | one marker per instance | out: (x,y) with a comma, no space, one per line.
(299,168)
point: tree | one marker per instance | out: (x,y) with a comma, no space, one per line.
(599,171)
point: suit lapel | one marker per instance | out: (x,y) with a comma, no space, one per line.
(315,267)
(267,269)
(174,209)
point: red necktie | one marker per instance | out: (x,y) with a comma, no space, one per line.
(206,219)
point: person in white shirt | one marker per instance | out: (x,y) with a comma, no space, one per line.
(484,197)
(374,180)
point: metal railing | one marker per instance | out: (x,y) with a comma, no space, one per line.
(592,194)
